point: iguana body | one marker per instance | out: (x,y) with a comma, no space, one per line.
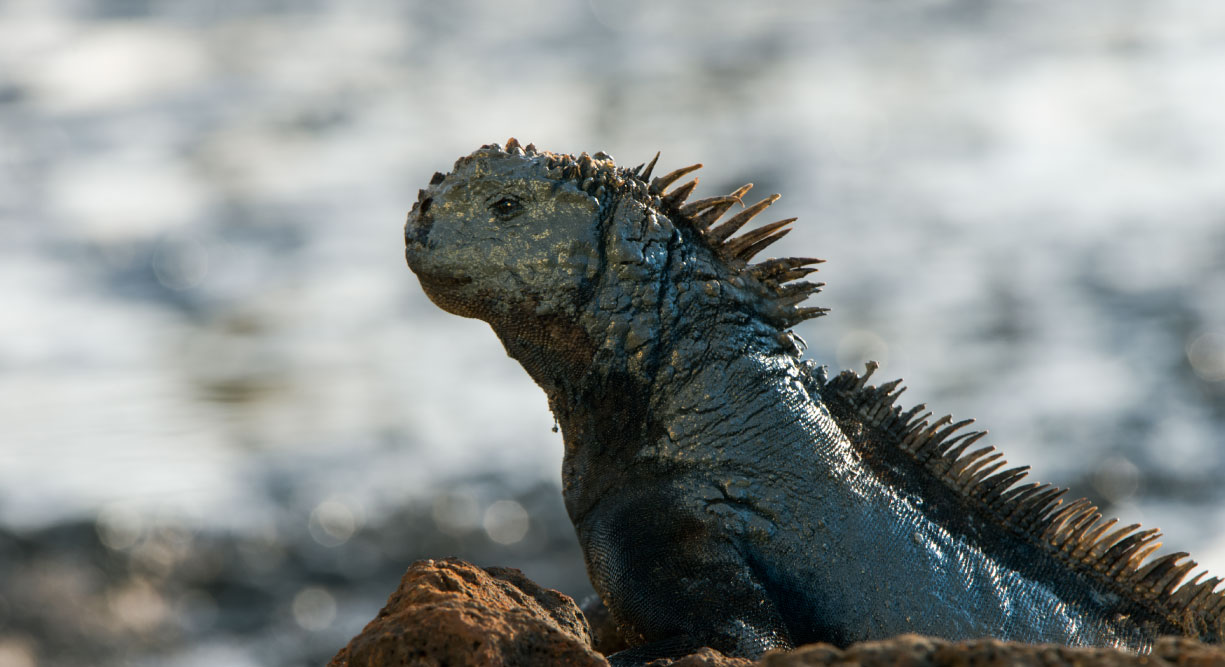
(725,491)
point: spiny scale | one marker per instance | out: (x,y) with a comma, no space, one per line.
(675,198)
(659,185)
(1073,532)
(704,213)
(694,207)
(783,269)
(596,175)
(750,243)
(650,168)
(715,212)
(733,224)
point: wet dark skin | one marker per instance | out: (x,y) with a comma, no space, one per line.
(725,491)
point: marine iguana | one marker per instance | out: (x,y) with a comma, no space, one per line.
(725,491)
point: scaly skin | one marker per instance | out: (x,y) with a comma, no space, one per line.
(725,491)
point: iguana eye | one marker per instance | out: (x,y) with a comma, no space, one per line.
(507,208)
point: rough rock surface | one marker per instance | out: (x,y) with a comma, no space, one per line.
(918,651)
(606,635)
(449,612)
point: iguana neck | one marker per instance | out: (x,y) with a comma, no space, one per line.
(556,353)
(656,404)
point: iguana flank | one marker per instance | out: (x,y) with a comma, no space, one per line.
(727,492)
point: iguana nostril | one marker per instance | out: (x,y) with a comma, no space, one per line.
(419,222)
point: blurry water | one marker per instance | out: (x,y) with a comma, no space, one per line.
(208,335)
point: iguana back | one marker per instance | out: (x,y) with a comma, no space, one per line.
(727,492)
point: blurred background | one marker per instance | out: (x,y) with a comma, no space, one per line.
(229,418)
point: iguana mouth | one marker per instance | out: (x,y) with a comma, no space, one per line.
(446,282)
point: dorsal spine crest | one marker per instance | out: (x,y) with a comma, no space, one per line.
(1075,532)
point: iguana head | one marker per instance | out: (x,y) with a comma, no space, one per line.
(574,252)
(498,235)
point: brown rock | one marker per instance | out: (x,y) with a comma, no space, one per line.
(917,651)
(608,639)
(449,612)
(1189,653)
(704,657)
